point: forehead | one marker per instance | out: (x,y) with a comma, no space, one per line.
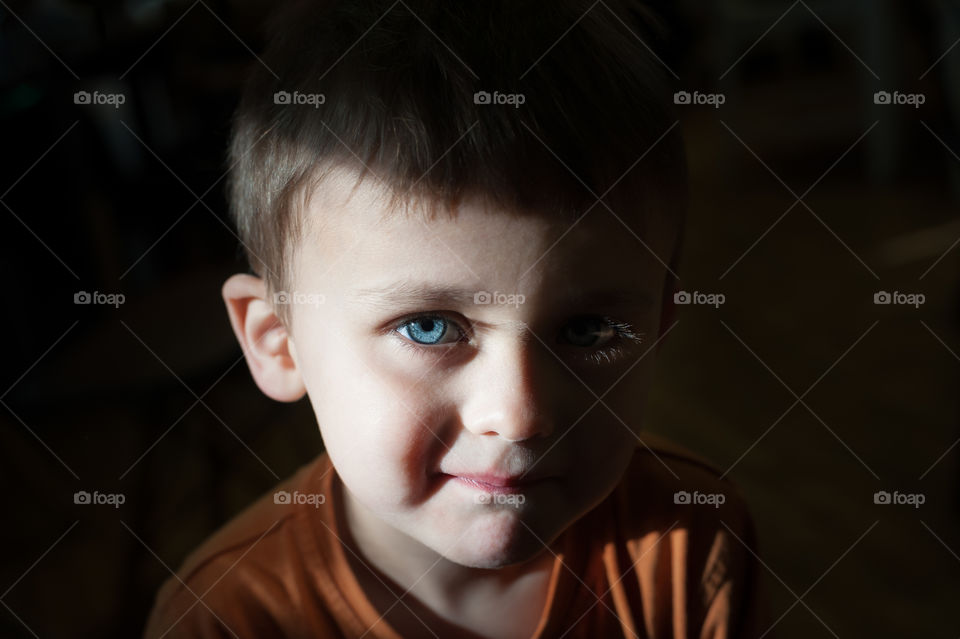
(354,224)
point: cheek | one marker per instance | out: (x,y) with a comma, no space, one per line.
(603,456)
(376,421)
(607,436)
(626,397)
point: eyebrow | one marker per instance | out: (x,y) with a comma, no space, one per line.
(405,293)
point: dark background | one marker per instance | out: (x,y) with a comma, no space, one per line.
(808,198)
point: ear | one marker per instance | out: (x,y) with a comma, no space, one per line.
(268,349)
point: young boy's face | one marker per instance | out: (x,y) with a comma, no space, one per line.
(418,380)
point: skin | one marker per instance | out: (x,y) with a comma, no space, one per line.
(510,388)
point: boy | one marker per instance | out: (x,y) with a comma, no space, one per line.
(461,217)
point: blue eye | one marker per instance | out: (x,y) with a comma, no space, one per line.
(428,330)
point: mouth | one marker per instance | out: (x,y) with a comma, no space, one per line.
(498,485)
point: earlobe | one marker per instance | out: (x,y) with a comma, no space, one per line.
(263,338)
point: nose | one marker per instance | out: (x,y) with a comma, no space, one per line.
(511,392)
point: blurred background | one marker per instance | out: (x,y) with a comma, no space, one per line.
(824,144)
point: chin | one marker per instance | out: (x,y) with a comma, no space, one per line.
(497,545)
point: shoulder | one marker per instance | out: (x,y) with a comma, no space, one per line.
(675,507)
(262,522)
(667,481)
(226,586)
(669,487)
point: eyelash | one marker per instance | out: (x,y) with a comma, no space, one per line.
(625,337)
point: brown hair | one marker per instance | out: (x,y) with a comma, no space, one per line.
(419,94)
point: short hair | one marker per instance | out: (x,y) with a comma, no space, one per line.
(424,94)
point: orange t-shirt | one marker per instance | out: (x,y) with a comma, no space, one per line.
(638,565)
